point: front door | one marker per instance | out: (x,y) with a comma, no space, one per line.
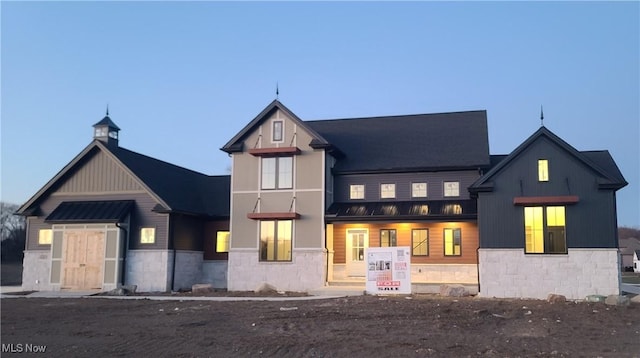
(82,261)
(357,241)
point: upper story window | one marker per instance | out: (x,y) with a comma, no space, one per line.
(356,191)
(388,238)
(387,191)
(277,173)
(451,188)
(419,190)
(544,230)
(543,170)
(277,131)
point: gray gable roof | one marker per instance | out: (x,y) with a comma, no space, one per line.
(441,141)
(183,190)
(599,161)
(180,190)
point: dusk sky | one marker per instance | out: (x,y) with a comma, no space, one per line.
(181,79)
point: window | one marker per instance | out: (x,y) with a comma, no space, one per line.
(544,230)
(388,238)
(451,188)
(356,191)
(45,236)
(222,241)
(277,173)
(543,170)
(419,190)
(277,131)
(452,242)
(147,235)
(420,242)
(387,191)
(275,240)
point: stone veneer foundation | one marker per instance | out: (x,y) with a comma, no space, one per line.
(581,272)
(149,270)
(305,272)
(36,271)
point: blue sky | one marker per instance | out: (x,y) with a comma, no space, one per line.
(181,79)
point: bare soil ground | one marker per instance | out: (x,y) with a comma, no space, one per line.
(365,326)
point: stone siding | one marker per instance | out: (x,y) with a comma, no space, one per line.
(215,273)
(150,270)
(188,269)
(306,271)
(581,272)
(36,271)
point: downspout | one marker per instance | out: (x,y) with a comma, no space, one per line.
(125,251)
(172,241)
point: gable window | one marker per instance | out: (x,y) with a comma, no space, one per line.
(543,170)
(277,131)
(419,190)
(451,188)
(420,242)
(452,242)
(275,240)
(45,236)
(147,235)
(387,191)
(388,238)
(356,191)
(222,241)
(277,173)
(544,230)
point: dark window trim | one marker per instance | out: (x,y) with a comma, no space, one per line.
(444,242)
(426,242)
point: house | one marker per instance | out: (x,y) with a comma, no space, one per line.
(305,200)
(308,197)
(112,216)
(547,218)
(628,247)
(636,261)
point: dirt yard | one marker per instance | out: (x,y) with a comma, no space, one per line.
(365,326)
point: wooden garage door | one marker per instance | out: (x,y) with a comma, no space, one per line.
(83,255)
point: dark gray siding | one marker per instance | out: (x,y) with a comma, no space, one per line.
(188,233)
(435,184)
(591,223)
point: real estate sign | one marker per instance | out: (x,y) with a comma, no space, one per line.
(388,270)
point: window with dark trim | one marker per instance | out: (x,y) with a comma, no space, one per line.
(356,191)
(277,173)
(544,230)
(451,188)
(275,240)
(420,242)
(277,130)
(452,242)
(388,238)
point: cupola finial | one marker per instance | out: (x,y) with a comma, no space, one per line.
(277,90)
(107,109)
(541,117)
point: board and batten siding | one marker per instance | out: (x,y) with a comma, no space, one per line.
(435,184)
(590,223)
(100,174)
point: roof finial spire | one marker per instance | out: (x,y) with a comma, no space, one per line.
(277,90)
(541,117)
(107,109)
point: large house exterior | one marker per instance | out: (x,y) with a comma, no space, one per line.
(114,217)
(305,199)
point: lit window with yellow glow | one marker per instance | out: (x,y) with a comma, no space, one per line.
(543,170)
(544,230)
(452,242)
(45,236)
(147,235)
(222,241)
